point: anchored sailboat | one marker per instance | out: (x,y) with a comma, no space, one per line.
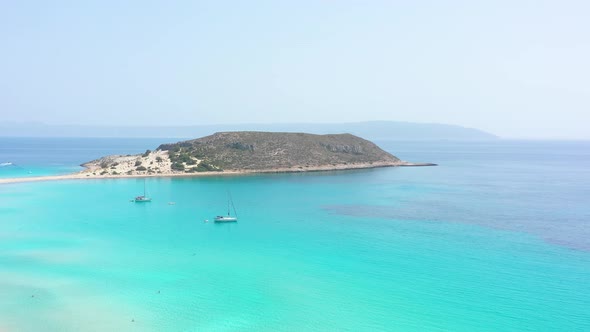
(228,217)
(143,198)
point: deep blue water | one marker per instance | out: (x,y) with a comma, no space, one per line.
(495,238)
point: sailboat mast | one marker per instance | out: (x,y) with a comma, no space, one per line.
(232,204)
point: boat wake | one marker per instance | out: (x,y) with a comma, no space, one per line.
(6,164)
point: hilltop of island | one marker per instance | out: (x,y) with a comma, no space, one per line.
(248,152)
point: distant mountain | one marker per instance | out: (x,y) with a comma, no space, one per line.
(374,130)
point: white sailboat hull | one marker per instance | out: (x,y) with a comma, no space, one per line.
(225,219)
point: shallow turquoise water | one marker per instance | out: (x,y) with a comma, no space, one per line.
(485,242)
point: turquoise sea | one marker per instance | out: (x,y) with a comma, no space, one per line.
(496,238)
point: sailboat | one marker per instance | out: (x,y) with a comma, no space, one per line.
(228,217)
(143,198)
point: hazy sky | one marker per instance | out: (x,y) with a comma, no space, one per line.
(514,68)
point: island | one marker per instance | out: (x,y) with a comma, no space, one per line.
(241,152)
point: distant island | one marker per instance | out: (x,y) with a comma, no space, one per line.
(372,130)
(249,152)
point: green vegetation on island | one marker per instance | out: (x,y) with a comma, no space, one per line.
(267,151)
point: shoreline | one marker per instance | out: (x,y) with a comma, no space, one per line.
(84,175)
